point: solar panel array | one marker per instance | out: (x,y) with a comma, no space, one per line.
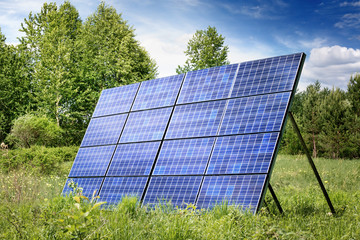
(203,137)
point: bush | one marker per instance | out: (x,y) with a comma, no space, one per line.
(38,159)
(30,129)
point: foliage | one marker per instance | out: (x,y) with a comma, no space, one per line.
(62,64)
(30,207)
(206,49)
(30,129)
(15,91)
(38,159)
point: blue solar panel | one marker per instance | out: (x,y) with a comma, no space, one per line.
(267,75)
(104,130)
(262,113)
(133,159)
(179,190)
(146,125)
(161,92)
(243,154)
(201,137)
(116,100)
(194,120)
(115,188)
(88,186)
(208,84)
(243,190)
(184,157)
(92,161)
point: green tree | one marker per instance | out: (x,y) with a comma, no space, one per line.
(111,56)
(50,37)
(15,80)
(311,115)
(354,93)
(335,111)
(206,49)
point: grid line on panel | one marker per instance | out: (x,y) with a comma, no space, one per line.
(162,141)
(103,130)
(183,157)
(263,113)
(242,154)
(180,190)
(196,119)
(272,162)
(156,93)
(122,130)
(134,159)
(89,185)
(115,188)
(266,75)
(91,161)
(207,84)
(242,190)
(146,125)
(115,100)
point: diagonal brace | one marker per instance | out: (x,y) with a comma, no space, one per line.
(296,128)
(275,199)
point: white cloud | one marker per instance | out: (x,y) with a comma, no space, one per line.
(332,66)
(352,4)
(351,20)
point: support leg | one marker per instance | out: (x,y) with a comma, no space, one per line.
(296,128)
(275,199)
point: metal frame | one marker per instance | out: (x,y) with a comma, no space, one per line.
(312,164)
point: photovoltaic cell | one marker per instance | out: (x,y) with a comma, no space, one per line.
(262,113)
(194,120)
(133,159)
(92,161)
(184,157)
(180,190)
(243,190)
(146,125)
(243,154)
(116,100)
(266,76)
(104,130)
(161,92)
(115,188)
(88,185)
(208,84)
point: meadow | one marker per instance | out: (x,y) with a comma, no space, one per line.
(31,208)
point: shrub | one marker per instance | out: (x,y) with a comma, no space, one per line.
(30,129)
(38,159)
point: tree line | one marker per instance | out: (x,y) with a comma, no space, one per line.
(329,120)
(50,82)
(61,65)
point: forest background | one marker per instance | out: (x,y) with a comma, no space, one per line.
(51,81)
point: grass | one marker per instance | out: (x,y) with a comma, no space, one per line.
(30,207)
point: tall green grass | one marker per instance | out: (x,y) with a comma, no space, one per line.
(30,207)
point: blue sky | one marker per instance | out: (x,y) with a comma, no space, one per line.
(327,31)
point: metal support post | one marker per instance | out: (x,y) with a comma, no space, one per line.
(296,128)
(275,199)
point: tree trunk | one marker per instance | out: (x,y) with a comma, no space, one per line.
(314,146)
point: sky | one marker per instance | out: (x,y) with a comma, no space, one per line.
(327,31)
